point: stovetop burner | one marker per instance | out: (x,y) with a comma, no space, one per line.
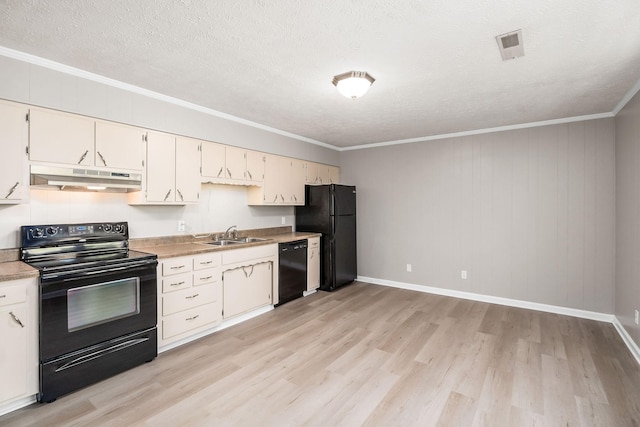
(78,248)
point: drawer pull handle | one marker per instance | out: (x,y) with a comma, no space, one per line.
(15,319)
(177,267)
(205,262)
(192,318)
(191,296)
(3,296)
(206,278)
(177,284)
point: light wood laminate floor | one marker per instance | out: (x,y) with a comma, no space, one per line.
(373,356)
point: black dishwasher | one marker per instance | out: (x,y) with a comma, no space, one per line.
(292,281)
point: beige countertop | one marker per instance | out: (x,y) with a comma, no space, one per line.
(169,250)
(163,247)
(14,270)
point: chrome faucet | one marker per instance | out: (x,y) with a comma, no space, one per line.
(227,234)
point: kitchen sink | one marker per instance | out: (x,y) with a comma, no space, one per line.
(250,239)
(224,243)
(239,241)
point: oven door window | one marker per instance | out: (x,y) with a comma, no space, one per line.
(103,302)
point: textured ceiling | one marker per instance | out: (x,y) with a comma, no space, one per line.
(436,63)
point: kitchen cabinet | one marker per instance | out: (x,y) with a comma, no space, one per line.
(317,173)
(189,296)
(172,171)
(19,367)
(313,264)
(284,180)
(56,137)
(224,164)
(248,279)
(119,146)
(247,288)
(13,142)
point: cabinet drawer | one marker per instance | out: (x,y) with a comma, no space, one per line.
(188,298)
(201,262)
(176,266)
(191,319)
(203,277)
(12,294)
(176,283)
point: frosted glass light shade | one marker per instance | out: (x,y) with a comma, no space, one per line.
(353,84)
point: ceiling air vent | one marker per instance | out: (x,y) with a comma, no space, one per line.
(510,45)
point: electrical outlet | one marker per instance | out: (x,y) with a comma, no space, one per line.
(182,225)
(284,220)
(463,274)
(637,317)
(409,268)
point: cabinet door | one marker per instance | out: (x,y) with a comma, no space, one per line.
(60,138)
(311,173)
(273,173)
(255,166)
(13,351)
(118,146)
(13,131)
(296,182)
(313,264)
(246,288)
(324,174)
(161,170)
(235,165)
(212,162)
(187,170)
(334,174)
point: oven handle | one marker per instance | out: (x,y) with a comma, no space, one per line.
(97,354)
(99,270)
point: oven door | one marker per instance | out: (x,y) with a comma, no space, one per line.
(90,307)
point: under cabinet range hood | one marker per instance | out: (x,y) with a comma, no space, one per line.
(84,179)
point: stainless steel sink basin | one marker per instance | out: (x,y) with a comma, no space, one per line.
(250,239)
(239,241)
(224,243)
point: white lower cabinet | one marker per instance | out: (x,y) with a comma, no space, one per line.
(189,296)
(247,288)
(19,343)
(249,278)
(313,264)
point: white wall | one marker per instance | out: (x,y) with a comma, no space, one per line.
(220,206)
(628,216)
(528,213)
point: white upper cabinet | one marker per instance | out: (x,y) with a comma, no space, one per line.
(255,166)
(118,146)
(56,137)
(213,162)
(284,180)
(13,142)
(318,173)
(236,164)
(224,164)
(172,171)
(187,170)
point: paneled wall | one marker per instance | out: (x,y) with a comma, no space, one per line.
(529,214)
(628,216)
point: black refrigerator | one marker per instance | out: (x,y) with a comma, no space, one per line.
(331,210)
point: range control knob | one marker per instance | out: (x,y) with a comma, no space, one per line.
(107,227)
(38,232)
(52,230)
(117,228)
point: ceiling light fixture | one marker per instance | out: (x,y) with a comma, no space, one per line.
(353,84)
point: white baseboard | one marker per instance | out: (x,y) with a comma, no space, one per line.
(593,315)
(14,405)
(631,345)
(585,314)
